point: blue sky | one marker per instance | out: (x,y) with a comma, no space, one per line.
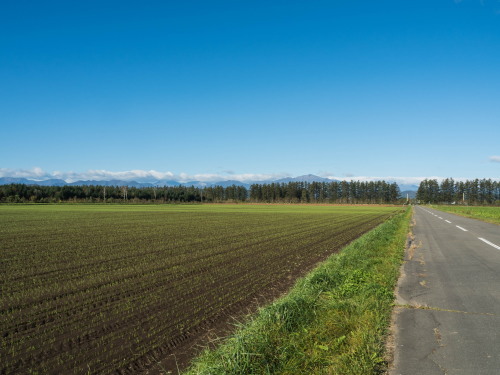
(250,89)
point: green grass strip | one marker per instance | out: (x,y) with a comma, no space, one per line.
(333,321)
(489,214)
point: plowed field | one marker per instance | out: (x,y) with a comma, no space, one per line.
(122,289)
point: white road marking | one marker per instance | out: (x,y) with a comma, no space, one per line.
(465,230)
(448,221)
(439,217)
(490,243)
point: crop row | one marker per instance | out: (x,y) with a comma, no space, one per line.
(108,289)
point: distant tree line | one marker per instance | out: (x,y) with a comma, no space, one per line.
(471,192)
(326,192)
(354,192)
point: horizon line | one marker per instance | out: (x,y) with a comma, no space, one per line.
(152,176)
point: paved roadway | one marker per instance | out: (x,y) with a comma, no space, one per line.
(448,315)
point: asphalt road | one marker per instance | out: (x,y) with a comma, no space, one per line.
(448,316)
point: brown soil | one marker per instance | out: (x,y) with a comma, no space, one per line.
(82,337)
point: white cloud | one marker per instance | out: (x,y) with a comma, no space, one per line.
(92,174)
(247,177)
(33,173)
(399,180)
(139,175)
(243,177)
(496,159)
(101,174)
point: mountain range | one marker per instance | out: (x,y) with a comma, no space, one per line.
(405,188)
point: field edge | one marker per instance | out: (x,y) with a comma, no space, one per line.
(334,320)
(488,214)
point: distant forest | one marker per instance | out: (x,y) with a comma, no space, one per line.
(354,192)
(471,192)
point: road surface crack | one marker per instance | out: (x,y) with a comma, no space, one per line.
(422,307)
(439,341)
(433,356)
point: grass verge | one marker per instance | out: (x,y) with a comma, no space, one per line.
(333,321)
(488,214)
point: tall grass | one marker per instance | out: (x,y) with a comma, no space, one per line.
(333,321)
(489,214)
